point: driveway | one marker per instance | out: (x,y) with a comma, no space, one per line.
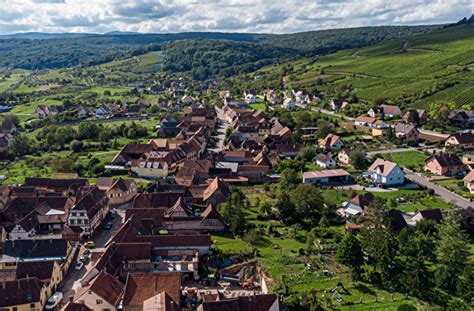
(447,195)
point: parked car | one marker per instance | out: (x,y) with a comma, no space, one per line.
(108,226)
(113,214)
(54,301)
(89,244)
(84,258)
(79,265)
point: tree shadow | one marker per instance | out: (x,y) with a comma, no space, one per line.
(364,289)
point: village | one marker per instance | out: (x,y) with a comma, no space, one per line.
(120,244)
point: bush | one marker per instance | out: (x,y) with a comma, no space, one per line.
(406,307)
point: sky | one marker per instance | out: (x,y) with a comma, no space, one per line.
(259,16)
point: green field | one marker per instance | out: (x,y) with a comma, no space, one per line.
(409,159)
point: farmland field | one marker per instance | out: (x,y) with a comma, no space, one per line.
(419,70)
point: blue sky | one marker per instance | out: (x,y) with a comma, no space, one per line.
(262,16)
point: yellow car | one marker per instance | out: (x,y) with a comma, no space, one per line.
(89,244)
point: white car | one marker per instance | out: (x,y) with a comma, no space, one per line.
(54,301)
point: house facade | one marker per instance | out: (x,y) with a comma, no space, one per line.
(444,164)
(89,212)
(386,173)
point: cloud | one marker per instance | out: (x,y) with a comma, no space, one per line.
(221,15)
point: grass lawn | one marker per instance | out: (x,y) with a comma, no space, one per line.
(259,106)
(411,159)
(452,185)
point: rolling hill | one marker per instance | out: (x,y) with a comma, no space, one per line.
(34,51)
(418,70)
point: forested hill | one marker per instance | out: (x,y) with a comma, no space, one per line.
(65,52)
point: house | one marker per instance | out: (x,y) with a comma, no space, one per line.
(356,205)
(37,250)
(461,139)
(337,104)
(390,111)
(89,211)
(468,158)
(325,161)
(102,112)
(131,152)
(469,181)
(250,97)
(83,111)
(23,294)
(432,214)
(386,173)
(101,293)
(447,164)
(140,287)
(45,112)
(216,193)
(118,190)
(168,127)
(271,96)
(461,117)
(289,104)
(288,150)
(331,142)
(344,156)
(48,271)
(161,301)
(421,115)
(257,302)
(326,177)
(26,228)
(403,130)
(365,121)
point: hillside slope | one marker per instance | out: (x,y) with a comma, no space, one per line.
(421,69)
(90,50)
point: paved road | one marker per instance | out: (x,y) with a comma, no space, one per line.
(222,127)
(448,196)
(395,150)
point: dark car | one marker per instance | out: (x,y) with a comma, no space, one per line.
(108,226)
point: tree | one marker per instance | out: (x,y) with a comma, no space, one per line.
(452,252)
(357,159)
(285,208)
(307,201)
(252,236)
(379,244)
(324,128)
(19,146)
(310,301)
(467,220)
(88,130)
(413,117)
(76,145)
(288,178)
(349,253)
(11,119)
(465,284)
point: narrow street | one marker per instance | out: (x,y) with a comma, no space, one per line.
(222,126)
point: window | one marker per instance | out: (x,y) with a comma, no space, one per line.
(32,305)
(98,301)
